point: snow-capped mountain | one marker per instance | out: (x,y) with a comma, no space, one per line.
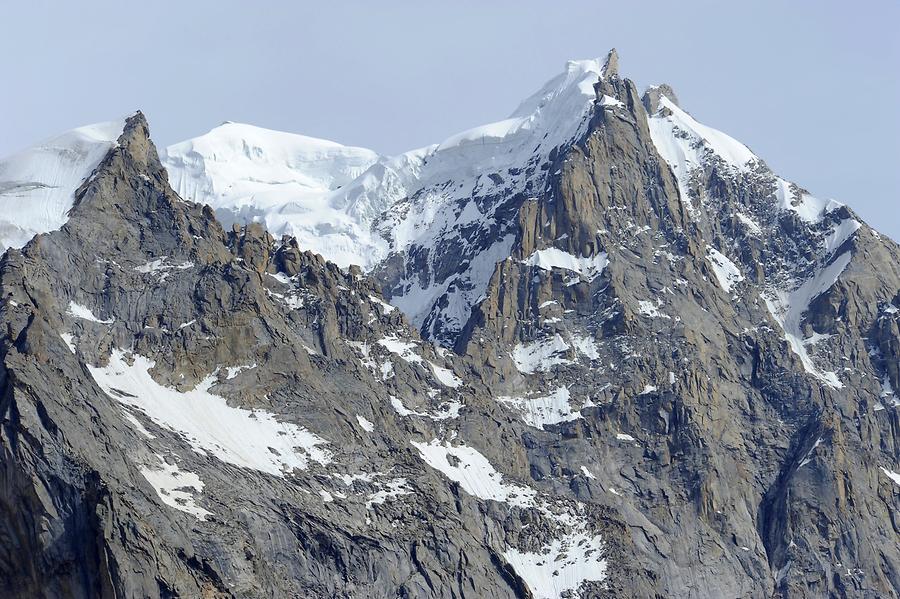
(672,371)
(432,223)
(414,204)
(292,183)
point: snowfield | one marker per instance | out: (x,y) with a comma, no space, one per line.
(543,410)
(37,185)
(289,182)
(207,423)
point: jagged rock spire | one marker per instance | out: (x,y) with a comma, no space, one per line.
(611,64)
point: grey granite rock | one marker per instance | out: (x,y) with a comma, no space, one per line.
(640,403)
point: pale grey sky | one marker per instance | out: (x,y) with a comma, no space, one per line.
(811,86)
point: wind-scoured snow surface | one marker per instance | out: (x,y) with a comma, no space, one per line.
(810,209)
(37,185)
(249,439)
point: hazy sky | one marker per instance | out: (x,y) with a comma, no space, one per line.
(811,86)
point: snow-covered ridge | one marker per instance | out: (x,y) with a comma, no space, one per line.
(458,185)
(686,145)
(557,109)
(683,142)
(37,185)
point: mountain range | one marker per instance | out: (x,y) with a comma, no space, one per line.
(594,349)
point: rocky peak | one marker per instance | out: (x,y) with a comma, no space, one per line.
(135,142)
(652,95)
(129,195)
(611,65)
(335,409)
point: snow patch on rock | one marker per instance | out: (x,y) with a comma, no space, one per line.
(445,376)
(540,356)
(550,258)
(85,313)
(561,566)
(252,439)
(894,476)
(176,488)
(474,473)
(365,424)
(543,410)
(727,273)
(402,348)
(788,307)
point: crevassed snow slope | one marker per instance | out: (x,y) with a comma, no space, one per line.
(290,182)
(37,185)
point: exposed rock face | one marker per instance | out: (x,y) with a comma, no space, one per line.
(678,382)
(733,440)
(122,330)
(653,94)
